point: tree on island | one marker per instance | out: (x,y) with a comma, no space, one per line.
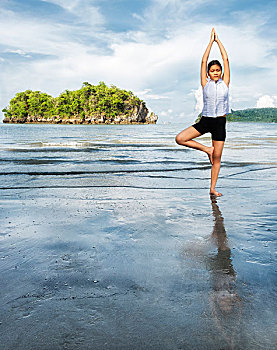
(263,115)
(91,104)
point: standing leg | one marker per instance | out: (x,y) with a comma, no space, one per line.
(218,148)
(185,137)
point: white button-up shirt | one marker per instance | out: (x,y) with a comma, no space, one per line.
(215,99)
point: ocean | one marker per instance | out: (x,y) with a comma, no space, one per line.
(109,239)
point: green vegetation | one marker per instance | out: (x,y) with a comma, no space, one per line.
(91,104)
(259,115)
(262,115)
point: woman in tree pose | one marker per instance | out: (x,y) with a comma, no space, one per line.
(216,105)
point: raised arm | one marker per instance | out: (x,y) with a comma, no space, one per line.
(226,75)
(205,59)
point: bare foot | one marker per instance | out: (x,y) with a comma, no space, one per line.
(215,193)
(210,152)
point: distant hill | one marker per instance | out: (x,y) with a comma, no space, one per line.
(259,115)
(262,115)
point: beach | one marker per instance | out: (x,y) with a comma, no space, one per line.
(109,239)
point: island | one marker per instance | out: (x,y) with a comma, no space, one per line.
(92,104)
(258,115)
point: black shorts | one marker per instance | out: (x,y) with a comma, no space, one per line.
(216,126)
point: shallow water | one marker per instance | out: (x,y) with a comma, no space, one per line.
(109,239)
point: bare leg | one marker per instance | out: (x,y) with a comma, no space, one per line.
(218,148)
(185,137)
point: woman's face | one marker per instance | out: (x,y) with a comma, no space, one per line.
(215,72)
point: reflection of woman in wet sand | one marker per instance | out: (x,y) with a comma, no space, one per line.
(224,301)
(216,106)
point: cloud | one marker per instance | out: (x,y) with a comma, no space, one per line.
(166,113)
(198,94)
(68,5)
(147,93)
(17,53)
(85,11)
(140,18)
(267,101)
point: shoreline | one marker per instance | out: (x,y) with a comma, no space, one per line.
(51,123)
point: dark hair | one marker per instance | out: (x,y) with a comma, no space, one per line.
(214,62)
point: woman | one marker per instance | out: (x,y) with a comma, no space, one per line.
(216,106)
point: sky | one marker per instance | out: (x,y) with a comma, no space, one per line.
(151,47)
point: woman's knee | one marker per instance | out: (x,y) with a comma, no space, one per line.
(179,139)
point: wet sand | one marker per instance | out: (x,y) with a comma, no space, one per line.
(139,260)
